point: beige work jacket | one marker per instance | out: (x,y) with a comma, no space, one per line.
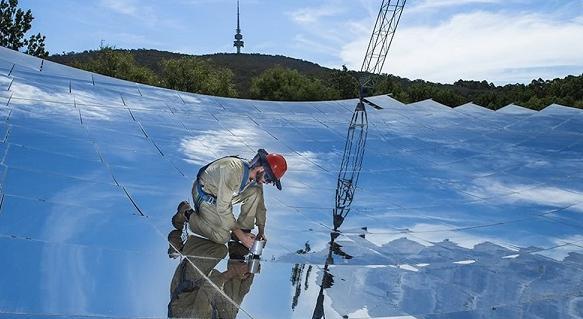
(222,179)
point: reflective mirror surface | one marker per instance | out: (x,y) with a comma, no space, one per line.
(458,213)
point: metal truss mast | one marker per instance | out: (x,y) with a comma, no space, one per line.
(382,36)
(376,54)
(351,164)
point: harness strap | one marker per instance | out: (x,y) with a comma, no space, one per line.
(245,176)
(203,196)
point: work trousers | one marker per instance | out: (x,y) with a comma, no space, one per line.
(206,221)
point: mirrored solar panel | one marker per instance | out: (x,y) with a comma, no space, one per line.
(22,60)
(5,67)
(561,110)
(62,71)
(37,90)
(5,83)
(473,109)
(458,212)
(86,93)
(514,109)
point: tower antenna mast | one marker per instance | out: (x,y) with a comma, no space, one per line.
(238,36)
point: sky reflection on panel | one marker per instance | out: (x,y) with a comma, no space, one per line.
(458,212)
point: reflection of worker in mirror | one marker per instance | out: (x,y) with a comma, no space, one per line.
(227,181)
(200,292)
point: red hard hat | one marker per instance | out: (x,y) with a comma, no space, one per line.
(278,166)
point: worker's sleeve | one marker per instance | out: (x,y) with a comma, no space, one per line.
(261,214)
(228,185)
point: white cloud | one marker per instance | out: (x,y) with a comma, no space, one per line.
(314,45)
(207,146)
(311,15)
(28,92)
(478,45)
(541,195)
(140,12)
(438,4)
(320,35)
(551,196)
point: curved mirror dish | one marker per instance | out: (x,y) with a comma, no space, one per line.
(458,213)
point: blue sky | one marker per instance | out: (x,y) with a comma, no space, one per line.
(503,41)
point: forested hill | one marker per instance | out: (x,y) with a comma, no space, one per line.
(270,77)
(244,66)
(248,66)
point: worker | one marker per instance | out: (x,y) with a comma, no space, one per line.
(227,181)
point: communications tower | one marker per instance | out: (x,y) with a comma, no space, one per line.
(238,36)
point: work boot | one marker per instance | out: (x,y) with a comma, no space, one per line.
(175,243)
(182,214)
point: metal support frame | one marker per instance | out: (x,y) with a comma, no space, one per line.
(376,54)
(378,47)
(351,164)
(382,37)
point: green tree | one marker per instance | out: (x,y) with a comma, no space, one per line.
(118,64)
(14,24)
(390,85)
(198,76)
(281,84)
(419,91)
(344,82)
(448,97)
